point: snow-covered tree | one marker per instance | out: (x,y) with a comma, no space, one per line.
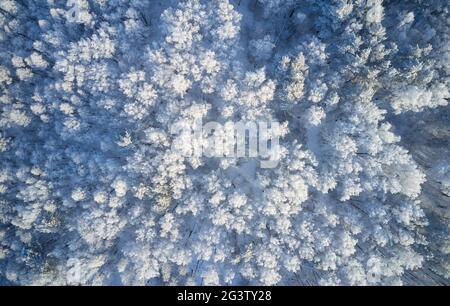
(96,188)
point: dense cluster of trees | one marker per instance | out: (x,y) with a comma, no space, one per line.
(91,191)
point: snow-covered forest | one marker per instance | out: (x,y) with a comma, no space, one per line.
(93,193)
